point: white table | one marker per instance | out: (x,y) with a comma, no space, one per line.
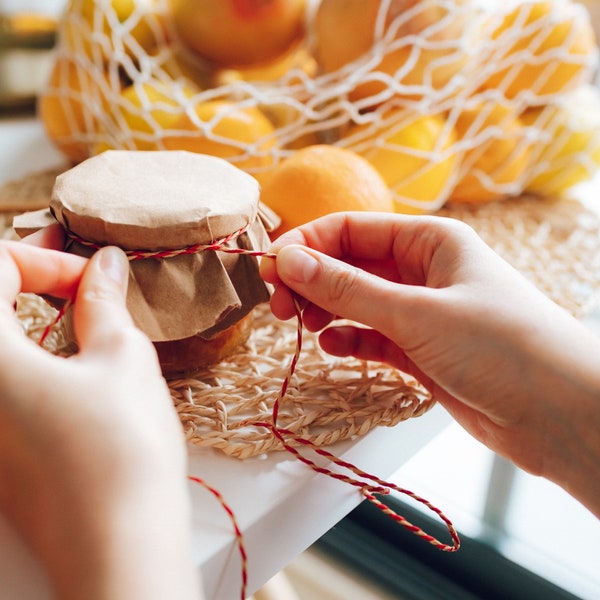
(281,505)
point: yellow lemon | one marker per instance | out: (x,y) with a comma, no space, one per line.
(497,153)
(242,135)
(567,148)
(143,116)
(105,29)
(414,154)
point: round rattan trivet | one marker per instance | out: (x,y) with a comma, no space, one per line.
(327,400)
(554,243)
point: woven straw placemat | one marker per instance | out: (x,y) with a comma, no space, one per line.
(554,243)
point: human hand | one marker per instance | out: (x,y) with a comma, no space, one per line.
(92,456)
(440,305)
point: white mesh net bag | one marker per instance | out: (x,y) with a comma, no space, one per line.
(463,100)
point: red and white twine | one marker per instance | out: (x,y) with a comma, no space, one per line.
(368,485)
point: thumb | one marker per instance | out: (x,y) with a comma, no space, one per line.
(100,310)
(341,289)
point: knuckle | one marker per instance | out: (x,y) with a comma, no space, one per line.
(344,285)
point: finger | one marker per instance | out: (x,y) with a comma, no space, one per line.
(268,270)
(315,318)
(282,303)
(26,268)
(397,247)
(366,235)
(344,290)
(283,306)
(365,344)
(100,315)
(52,237)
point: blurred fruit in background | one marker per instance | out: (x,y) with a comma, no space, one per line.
(234,33)
(143,113)
(414,154)
(296,58)
(540,49)
(322,179)
(67,116)
(242,135)
(567,147)
(428,43)
(430,92)
(498,153)
(99,29)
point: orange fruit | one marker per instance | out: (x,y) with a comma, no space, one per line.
(497,155)
(322,179)
(68,107)
(345,31)
(541,48)
(567,149)
(414,153)
(233,33)
(243,135)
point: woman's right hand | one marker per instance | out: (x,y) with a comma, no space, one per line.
(515,369)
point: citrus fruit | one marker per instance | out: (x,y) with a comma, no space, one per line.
(541,48)
(567,149)
(322,179)
(101,30)
(239,32)
(296,58)
(67,107)
(427,43)
(144,112)
(243,135)
(414,153)
(497,155)
(173,63)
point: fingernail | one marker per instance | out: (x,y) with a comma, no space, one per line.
(286,239)
(114,264)
(294,263)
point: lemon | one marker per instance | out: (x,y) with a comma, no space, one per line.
(567,149)
(243,135)
(497,154)
(414,153)
(105,29)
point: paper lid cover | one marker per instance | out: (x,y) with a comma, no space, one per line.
(170,200)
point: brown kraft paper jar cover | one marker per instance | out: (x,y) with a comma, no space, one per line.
(195,307)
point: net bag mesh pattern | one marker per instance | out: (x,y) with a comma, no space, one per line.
(469,94)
